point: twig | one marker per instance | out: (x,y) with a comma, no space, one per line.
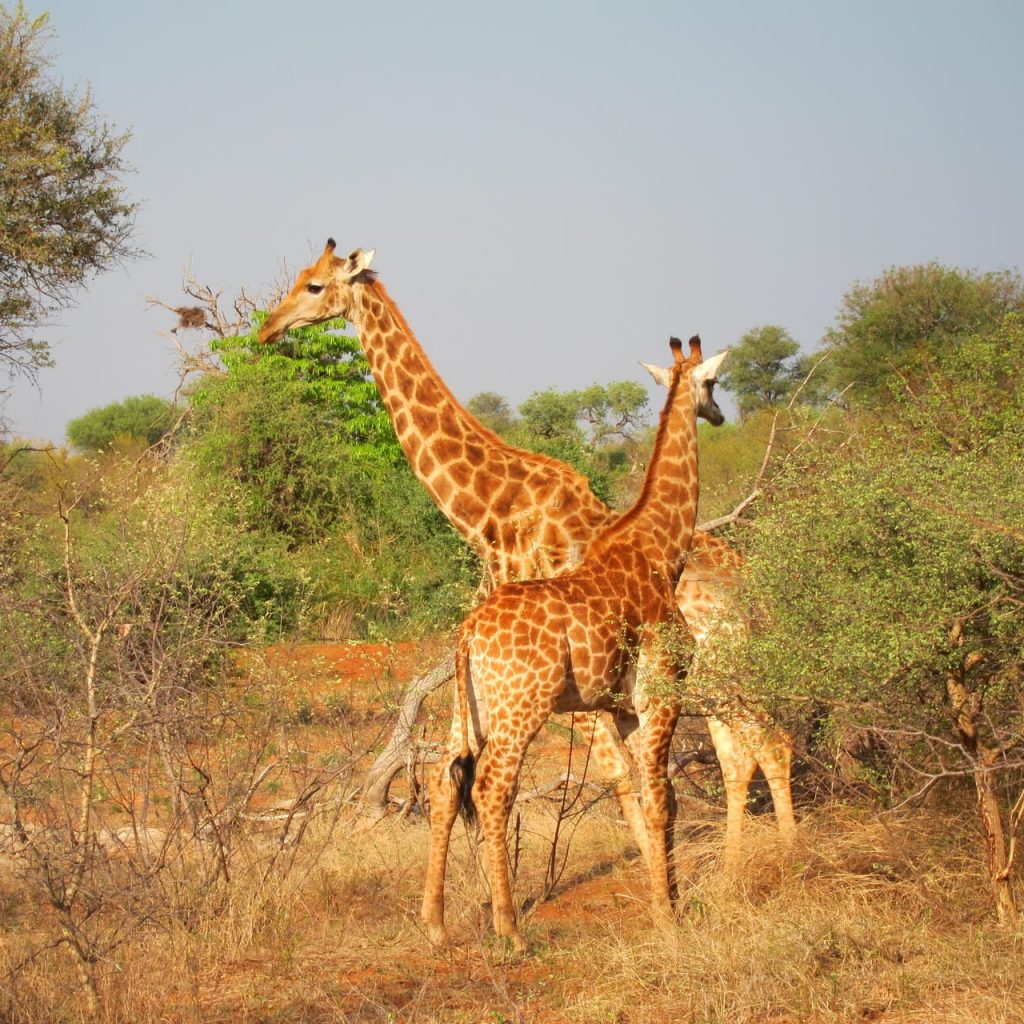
(735,515)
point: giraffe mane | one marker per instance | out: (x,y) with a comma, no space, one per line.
(627,517)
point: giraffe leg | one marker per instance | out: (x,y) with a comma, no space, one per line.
(670,829)
(444,809)
(775,756)
(651,744)
(613,766)
(738,766)
(494,793)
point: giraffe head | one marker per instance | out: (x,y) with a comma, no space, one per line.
(705,374)
(321,292)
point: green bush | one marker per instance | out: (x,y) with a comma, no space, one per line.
(316,476)
(144,418)
(885,570)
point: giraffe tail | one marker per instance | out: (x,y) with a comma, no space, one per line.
(463,768)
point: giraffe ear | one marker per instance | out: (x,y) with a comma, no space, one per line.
(660,374)
(358,261)
(708,370)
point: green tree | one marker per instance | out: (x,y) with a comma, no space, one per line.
(763,369)
(143,418)
(899,607)
(492,410)
(296,425)
(299,432)
(592,416)
(64,212)
(615,410)
(552,415)
(911,313)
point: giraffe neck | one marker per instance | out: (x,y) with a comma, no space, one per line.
(465,467)
(660,523)
(446,447)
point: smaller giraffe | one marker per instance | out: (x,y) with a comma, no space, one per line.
(744,737)
(605,636)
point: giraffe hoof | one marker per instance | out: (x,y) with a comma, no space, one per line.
(437,934)
(513,937)
(664,919)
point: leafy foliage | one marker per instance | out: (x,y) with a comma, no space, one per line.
(300,433)
(762,368)
(65,216)
(910,314)
(730,458)
(895,562)
(143,418)
(299,427)
(593,415)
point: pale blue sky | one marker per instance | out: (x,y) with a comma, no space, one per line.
(552,188)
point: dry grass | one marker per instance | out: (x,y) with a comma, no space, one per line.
(860,921)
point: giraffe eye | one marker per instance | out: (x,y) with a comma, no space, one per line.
(314,289)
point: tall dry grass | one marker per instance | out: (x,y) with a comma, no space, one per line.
(861,920)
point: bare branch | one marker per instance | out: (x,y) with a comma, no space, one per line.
(735,516)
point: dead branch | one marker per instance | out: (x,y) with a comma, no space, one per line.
(735,516)
(206,313)
(395,756)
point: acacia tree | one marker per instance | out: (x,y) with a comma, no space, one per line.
(763,369)
(592,415)
(908,314)
(64,212)
(901,605)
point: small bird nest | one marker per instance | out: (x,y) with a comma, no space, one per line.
(190,317)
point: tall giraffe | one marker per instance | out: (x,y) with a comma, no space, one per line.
(602,636)
(527,515)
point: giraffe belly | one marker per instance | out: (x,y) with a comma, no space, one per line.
(598,675)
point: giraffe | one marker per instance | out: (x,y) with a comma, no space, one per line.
(523,512)
(527,515)
(744,737)
(601,636)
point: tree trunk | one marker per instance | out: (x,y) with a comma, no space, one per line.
(965,705)
(395,756)
(993,830)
